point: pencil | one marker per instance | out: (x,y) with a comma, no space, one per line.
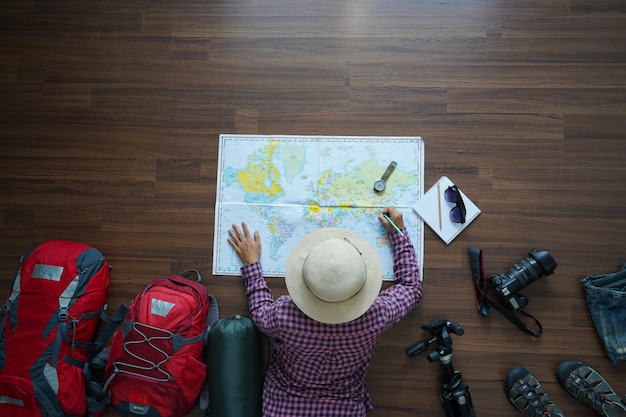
(439,205)
(391,222)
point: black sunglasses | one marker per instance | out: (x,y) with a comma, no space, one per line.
(457,213)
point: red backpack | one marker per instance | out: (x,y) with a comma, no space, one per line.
(156,365)
(47,327)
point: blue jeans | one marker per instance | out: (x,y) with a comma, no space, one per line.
(606,299)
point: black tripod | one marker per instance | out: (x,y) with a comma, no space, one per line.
(455,395)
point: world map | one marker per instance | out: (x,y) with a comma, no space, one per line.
(286,187)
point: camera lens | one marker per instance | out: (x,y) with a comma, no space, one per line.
(545,261)
(529,270)
(523,273)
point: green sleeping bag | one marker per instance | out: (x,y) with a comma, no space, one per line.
(235,382)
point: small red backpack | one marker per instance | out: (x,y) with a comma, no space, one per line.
(156,365)
(47,328)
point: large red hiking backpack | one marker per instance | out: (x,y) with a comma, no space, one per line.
(47,327)
(156,364)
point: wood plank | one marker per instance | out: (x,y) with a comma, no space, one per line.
(111,113)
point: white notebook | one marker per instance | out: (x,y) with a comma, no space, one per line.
(433,203)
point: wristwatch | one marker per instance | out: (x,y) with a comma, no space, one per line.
(380,184)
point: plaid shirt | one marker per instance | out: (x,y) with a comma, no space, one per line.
(319,369)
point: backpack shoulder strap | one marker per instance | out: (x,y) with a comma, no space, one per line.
(111,325)
(214,312)
(97,396)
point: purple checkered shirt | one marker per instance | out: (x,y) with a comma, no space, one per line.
(319,369)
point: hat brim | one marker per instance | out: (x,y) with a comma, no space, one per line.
(333,312)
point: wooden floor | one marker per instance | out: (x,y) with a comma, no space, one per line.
(110,113)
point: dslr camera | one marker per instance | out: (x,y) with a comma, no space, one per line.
(523,273)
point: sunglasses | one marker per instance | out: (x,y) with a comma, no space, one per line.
(453,195)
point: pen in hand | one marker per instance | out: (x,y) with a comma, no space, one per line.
(391,222)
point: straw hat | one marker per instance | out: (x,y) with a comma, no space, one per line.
(333,275)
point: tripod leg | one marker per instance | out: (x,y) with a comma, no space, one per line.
(448,404)
(463,402)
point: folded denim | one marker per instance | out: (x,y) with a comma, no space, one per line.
(606,300)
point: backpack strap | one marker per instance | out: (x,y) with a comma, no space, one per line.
(212,318)
(214,312)
(4,316)
(44,385)
(97,396)
(483,302)
(5,310)
(65,301)
(112,323)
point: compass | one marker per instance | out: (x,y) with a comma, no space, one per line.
(380,184)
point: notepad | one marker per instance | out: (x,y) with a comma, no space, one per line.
(428,209)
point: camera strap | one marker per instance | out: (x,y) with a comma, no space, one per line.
(484,303)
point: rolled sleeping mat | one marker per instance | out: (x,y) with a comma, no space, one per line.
(235,381)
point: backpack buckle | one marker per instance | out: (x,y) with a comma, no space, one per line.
(63,315)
